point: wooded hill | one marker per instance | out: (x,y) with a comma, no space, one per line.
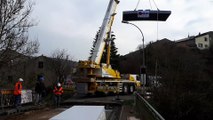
(186,90)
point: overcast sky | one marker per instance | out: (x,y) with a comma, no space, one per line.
(72,24)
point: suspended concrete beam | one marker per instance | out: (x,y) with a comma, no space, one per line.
(146,15)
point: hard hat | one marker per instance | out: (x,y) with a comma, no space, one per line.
(41,78)
(20,79)
(59,84)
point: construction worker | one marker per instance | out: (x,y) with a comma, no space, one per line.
(17,92)
(40,91)
(58,91)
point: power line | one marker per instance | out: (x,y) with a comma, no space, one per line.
(150,4)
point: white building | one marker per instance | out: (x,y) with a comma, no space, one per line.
(204,41)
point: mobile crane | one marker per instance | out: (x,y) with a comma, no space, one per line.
(93,76)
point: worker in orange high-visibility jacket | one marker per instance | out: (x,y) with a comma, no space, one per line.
(58,91)
(17,92)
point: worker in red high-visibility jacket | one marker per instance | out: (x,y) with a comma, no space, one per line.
(17,92)
(58,91)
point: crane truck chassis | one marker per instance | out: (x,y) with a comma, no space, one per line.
(108,86)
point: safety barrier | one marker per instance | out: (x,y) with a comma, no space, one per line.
(7,97)
(146,111)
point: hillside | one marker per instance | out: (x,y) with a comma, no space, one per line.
(186,85)
(130,63)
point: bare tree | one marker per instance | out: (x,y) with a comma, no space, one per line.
(61,64)
(14,26)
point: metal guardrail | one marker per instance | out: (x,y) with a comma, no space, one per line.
(145,109)
(7,97)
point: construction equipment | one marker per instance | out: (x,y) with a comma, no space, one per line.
(95,77)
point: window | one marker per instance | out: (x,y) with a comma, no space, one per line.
(206,46)
(205,39)
(10,78)
(200,45)
(40,64)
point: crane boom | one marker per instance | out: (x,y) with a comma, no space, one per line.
(93,76)
(104,31)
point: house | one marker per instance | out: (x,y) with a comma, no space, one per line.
(32,68)
(204,41)
(201,41)
(187,42)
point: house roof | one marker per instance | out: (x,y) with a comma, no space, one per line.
(206,33)
(185,39)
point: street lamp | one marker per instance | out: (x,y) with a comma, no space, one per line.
(143,67)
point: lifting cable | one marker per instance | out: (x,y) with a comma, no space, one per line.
(150,4)
(157,13)
(151,9)
(137,5)
(155,5)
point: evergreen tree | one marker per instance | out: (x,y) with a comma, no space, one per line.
(114,56)
(94,42)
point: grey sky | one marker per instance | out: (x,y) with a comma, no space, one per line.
(72,24)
